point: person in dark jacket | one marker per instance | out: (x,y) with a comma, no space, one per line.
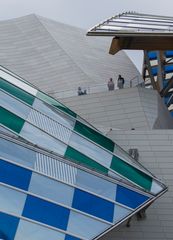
(120,82)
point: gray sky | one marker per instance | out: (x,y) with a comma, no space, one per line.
(84,13)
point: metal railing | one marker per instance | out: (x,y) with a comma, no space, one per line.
(135,81)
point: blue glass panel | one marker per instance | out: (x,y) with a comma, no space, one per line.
(68,237)
(154,71)
(129,198)
(169,68)
(93,205)
(46,212)
(152,55)
(14,175)
(33,231)
(2,236)
(8,226)
(17,153)
(169,54)
(51,189)
(165,82)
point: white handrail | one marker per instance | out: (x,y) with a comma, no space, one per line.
(102,87)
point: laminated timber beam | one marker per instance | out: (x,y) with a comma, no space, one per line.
(141,43)
(166,89)
(154,84)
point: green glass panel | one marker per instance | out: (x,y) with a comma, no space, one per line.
(131,173)
(78,157)
(55,103)
(17,92)
(94,136)
(10,120)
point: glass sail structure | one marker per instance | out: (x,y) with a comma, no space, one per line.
(60,177)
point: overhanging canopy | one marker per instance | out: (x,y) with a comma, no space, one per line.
(136,31)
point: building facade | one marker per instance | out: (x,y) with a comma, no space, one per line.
(61,178)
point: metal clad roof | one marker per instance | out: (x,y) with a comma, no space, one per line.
(131,23)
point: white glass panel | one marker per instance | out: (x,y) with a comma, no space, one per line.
(84,226)
(121,20)
(146,18)
(126,21)
(11,73)
(18,83)
(117,177)
(42,139)
(53,190)
(5,130)
(14,106)
(110,27)
(30,231)
(57,116)
(17,153)
(56,169)
(11,201)
(96,185)
(155,187)
(152,27)
(90,149)
(120,213)
(50,126)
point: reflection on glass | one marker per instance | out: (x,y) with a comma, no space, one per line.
(91,150)
(54,114)
(17,153)
(96,185)
(84,226)
(13,105)
(30,231)
(42,139)
(51,189)
(11,201)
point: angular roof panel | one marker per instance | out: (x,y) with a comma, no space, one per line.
(59,58)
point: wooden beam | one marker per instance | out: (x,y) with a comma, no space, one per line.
(160,68)
(115,46)
(141,43)
(166,89)
(148,65)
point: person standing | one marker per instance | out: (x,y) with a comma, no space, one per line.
(80,92)
(120,82)
(111,84)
